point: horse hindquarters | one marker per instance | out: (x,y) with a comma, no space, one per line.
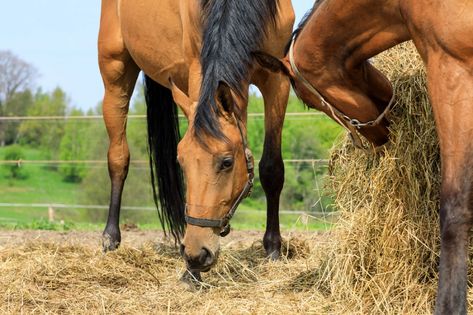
(119,74)
(451,92)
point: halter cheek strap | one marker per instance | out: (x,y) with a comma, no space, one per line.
(350,124)
(224,223)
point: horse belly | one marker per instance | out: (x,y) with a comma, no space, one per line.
(152,33)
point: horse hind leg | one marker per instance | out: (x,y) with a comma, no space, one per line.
(119,74)
(115,110)
(275,90)
(451,92)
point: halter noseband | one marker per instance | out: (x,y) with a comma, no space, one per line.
(224,223)
(350,124)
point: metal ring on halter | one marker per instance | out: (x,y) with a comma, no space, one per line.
(224,223)
(351,124)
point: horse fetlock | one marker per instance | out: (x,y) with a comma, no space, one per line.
(110,241)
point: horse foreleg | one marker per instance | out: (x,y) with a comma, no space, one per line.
(451,92)
(275,90)
(115,109)
(119,74)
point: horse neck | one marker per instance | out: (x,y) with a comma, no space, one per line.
(350,32)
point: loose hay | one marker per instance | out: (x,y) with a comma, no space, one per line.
(385,252)
(52,277)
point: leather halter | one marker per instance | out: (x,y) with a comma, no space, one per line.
(350,124)
(224,223)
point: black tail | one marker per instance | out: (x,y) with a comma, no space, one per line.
(166,175)
(233,29)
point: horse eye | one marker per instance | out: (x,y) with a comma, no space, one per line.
(226,163)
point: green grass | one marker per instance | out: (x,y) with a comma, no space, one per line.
(41,185)
(243,222)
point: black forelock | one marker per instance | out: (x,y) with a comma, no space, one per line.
(233,29)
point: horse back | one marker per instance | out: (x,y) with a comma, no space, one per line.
(153,34)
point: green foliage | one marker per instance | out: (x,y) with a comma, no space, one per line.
(45,225)
(17,105)
(14,171)
(45,134)
(73,146)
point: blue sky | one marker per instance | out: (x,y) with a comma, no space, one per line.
(59,38)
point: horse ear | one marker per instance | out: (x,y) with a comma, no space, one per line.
(272,63)
(181,99)
(225,97)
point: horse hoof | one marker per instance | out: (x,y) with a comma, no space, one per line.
(274,255)
(109,244)
(272,245)
(191,281)
(273,250)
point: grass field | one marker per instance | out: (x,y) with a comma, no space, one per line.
(43,185)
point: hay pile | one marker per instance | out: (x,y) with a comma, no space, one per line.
(75,278)
(385,252)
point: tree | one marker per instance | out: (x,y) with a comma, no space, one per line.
(74,147)
(16,76)
(45,134)
(14,171)
(17,105)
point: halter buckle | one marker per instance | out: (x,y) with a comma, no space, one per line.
(355,123)
(225,230)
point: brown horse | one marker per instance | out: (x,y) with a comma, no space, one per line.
(327,63)
(184,64)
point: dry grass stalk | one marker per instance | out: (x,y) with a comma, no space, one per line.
(385,251)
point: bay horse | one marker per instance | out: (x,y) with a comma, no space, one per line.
(196,54)
(327,62)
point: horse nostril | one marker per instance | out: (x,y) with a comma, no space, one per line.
(182,249)
(206,258)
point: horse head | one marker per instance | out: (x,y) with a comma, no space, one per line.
(348,104)
(218,170)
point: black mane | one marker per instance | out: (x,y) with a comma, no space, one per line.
(233,29)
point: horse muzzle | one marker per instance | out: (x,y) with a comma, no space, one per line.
(203,262)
